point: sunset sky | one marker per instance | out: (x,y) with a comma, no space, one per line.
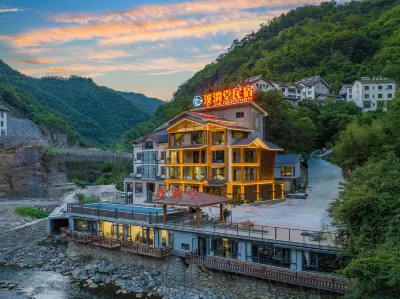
(149,46)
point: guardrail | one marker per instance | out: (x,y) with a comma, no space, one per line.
(323,282)
(138,248)
(86,152)
(311,237)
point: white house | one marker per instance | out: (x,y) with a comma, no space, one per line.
(148,164)
(3,120)
(287,171)
(346,93)
(313,87)
(371,93)
(290,91)
(259,84)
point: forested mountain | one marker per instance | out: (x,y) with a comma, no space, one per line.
(147,104)
(98,114)
(339,42)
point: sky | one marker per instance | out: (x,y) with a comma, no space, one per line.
(150,47)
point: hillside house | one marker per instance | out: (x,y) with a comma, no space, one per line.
(346,93)
(313,87)
(3,120)
(372,93)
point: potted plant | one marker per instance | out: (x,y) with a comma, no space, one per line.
(227,213)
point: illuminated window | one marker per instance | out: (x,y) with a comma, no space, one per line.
(175,173)
(287,171)
(218,138)
(178,139)
(239,134)
(218,174)
(197,137)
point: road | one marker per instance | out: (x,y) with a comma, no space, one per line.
(324,179)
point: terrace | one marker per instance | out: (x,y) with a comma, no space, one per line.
(123,245)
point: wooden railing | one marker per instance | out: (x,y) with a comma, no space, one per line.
(312,280)
(137,248)
(145,249)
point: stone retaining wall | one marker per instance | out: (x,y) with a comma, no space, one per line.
(24,234)
(178,280)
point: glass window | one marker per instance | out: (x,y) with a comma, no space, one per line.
(366,96)
(162,155)
(292,90)
(367,104)
(389,86)
(239,114)
(178,139)
(236,174)
(218,138)
(139,156)
(148,144)
(250,174)
(239,134)
(287,171)
(380,96)
(380,87)
(218,174)
(309,92)
(174,158)
(197,137)
(390,95)
(366,87)
(149,157)
(175,173)
(139,170)
(185,246)
(1,124)
(138,187)
(162,170)
(218,156)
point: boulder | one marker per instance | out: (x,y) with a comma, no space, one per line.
(78,273)
(152,284)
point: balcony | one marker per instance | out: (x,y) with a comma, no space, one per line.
(134,247)
(324,282)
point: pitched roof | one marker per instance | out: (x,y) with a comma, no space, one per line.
(250,140)
(287,159)
(312,81)
(160,136)
(3,108)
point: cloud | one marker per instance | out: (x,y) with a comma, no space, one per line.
(34,61)
(218,47)
(176,9)
(108,54)
(2,10)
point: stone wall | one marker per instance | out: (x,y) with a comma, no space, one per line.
(172,278)
(10,142)
(19,127)
(24,234)
(22,173)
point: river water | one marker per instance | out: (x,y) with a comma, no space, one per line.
(51,285)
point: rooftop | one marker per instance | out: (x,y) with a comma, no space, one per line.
(287,159)
(201,200)
(312,81)
(249,103)
(249,141)
(160,136)
(3,108)
(375,80)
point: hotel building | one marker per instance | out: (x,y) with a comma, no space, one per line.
(220,150)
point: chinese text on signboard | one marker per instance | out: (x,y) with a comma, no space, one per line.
(228,96)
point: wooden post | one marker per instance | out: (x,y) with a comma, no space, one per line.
(198,217)
(164,208)
(258,192)
(273,191)
(221,211)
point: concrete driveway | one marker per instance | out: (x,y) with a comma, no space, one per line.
(324,179)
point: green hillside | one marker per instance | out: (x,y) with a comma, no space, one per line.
(145,103)
(99,114)
(339,42)
(23,105)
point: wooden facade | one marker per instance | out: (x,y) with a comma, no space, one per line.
(216,156)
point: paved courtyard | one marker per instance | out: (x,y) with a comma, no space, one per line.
(324,179)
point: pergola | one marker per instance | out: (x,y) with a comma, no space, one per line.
(199,201)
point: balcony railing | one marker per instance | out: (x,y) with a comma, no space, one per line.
(170,160)
(324,282)
(138,248)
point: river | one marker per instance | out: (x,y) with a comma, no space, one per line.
(50,285)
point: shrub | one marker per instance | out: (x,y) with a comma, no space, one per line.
(30,212)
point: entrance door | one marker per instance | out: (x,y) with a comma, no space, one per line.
(151,187)
(202,246)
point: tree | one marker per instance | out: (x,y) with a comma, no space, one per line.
(367,215)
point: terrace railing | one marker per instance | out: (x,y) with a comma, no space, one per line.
(324,282)
(301,236)
(116,214)
(138,248)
